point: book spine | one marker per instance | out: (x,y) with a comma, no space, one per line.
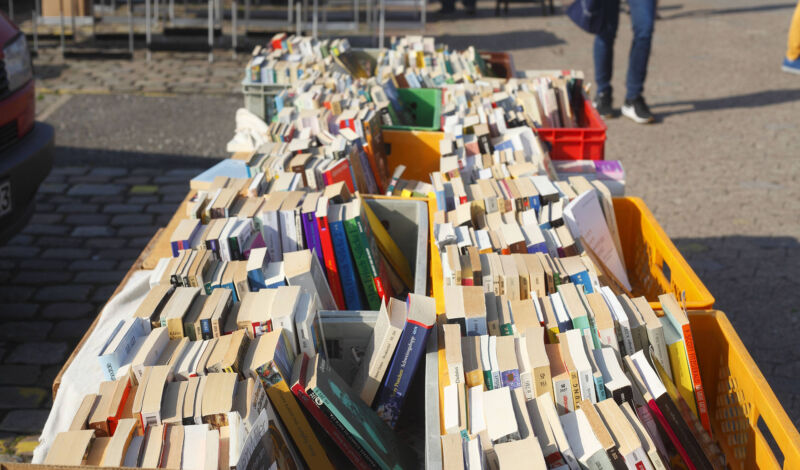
(347,271)
(109,363)
(362,263)
(205,329)
(343,444)
(329,261)
(325,406)
(308,219)
(563,395)
(409,352)
(617,462)
(599,387)
(372,258)
(694,368)
(272,235)
(298,427)
(667,429)
(682,431)
(510,378)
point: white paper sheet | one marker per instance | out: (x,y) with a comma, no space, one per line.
(585,219)
(83,376)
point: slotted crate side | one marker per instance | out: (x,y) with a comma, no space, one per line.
(739,396)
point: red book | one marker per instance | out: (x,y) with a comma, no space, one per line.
(340,171)
(331,268)
(699,392)
(670,433)
(299,390)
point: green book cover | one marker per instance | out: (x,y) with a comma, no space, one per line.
(360,421)
(365,264)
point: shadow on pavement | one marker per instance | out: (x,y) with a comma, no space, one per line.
(507,41)
(754,280)
(76,156)
(730,11)
(749,100)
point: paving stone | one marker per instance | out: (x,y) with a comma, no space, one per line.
(58,242)
(72,292)
(27,330)
(87,219)
(123,208)
(102,243)
(103,294)
(42,264)
(144,189)
(43,277)
(21,397)
(91,265)
(43,229)
(18,251)
(18,374)
(69,170)
(100,277)
(143,199)
(146,171)
(7,265)
(132,180)
(119,199)
(139,242)
(71,329)
(49,374)
(79,208)
(87,189)
(41,352)
(120,254)
(68,310)
(174,189)
(132,219)
(108,171)
(66,253)
(137,231)
(20,239)
(162,209)
(25,420)
(93,231)
(24,447)
(46,218)
(52,188)
(18,311)
(174,198)
(15,294)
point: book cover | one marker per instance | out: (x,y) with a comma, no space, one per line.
(407,356)
(362,255)
(327,252)
(344,261)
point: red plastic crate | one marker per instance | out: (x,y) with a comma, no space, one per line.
(587,142)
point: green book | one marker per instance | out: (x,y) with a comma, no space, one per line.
(359,421)
(362,254)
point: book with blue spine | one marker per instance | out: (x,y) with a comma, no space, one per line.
(344,260)
(407,357)
(120,346)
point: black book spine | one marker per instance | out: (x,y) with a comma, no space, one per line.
(681,430)
(622,395)
(617,461)
(333,419)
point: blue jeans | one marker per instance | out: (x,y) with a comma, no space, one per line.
(642,16)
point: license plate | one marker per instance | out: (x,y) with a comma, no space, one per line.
(5,197)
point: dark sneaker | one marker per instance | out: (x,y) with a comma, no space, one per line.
(602,103)
(791,66)
(637,110)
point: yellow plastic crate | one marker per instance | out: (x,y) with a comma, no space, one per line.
(417,150)
(741,403)
(653,263)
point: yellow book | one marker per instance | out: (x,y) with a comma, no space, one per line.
(680,371)
(389,248)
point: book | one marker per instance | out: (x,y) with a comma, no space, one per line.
(347,271)
(70,448)
(379,350)
(364,257)
(327,251)
(534,364)
(676,317)
(308,328)
(421,315)
(583,440)
(302,269)
(120,346)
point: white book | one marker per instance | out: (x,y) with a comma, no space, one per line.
(184,367)
(302,268)
(133,453)
(486,362)
(212,450)
(562,316)
(158,272)
(550,416)
(198,400)
(620,318)
(224,244)
(284,310)
(583,441)
(150,351)
(495,365)
(542,430)
(648,446)
(119,350)
(194,447)
(584,368)
(477,422)
(307,323)
(474,454)
(501,421)
(380,349)
(194,364)
(451,411)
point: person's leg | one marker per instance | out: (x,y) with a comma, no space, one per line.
(642,17)
(793,48)
(604,47)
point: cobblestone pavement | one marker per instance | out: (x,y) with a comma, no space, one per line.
(719,171)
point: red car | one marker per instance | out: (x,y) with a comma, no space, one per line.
(26,146)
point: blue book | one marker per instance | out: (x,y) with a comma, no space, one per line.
(344,260)
(120,346)
(407,357)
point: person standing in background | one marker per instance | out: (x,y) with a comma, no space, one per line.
(643,13)
(791,63)
(449,6)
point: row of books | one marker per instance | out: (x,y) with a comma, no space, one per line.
(557,356)
(210,374)
(259,241)
(288,57)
